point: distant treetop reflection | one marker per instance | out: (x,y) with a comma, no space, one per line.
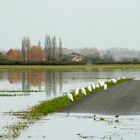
(52,80)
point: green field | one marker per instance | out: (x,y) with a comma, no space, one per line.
(70,67)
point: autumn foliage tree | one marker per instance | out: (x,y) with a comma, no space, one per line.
(51,51)
(14,54)
(36,53)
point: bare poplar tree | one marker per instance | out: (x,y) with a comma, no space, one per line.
(50,48)
(28,44)
(24,49)
(39,43)
(46,48)
(54,48)
(60,48)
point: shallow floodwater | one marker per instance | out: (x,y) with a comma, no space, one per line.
(83,126)
(49,84)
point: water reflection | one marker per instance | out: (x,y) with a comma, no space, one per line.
(48,81)
(55,83)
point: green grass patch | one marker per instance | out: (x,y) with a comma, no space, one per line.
(70,67)
(11,95)
(102,119)
(21,91)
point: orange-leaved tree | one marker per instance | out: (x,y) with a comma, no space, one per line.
(14,54)
(36,53)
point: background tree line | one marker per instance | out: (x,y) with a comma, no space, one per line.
(52,52)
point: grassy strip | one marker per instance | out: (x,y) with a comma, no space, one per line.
(21,91)
(11,95)
(59,103)
(50,106)
(71,67)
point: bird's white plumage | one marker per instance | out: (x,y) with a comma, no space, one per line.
(97,85)
(89,88)
(77,91)
(101,83)
(118,78)
(83,91)
(105,86)
(70,96)
(93,86)
(114,81)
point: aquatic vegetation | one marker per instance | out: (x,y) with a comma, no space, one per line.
(20,91)
(2,95)
(14,130)
(102,119)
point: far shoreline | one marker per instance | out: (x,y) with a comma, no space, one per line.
(71,67)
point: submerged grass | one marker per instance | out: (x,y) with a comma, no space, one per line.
(10,95)
(21,91)
(70,67)
(50,106)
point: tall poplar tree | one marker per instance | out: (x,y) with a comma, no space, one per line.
(54,48)
(60,49)
(24,49)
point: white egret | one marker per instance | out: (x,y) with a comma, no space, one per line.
(93,86)
(89,88)
(118,78)
(109,80)
(114,81)
(101,83)
(77,91)
(70,96)
(97,85)
(83,91)
(105,86)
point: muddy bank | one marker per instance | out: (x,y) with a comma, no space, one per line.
(123,99)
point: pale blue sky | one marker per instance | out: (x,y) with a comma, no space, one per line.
(80,23)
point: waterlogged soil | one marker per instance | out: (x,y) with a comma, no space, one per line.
(122,99)
(73,126)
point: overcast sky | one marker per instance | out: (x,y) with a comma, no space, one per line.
(80,23)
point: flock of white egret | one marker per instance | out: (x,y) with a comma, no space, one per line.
(91,88)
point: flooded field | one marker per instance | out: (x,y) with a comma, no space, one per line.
(44,85)
(75,126)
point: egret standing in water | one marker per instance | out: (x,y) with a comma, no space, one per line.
(89,88)
(70,96)
(83,91)
(77,91)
